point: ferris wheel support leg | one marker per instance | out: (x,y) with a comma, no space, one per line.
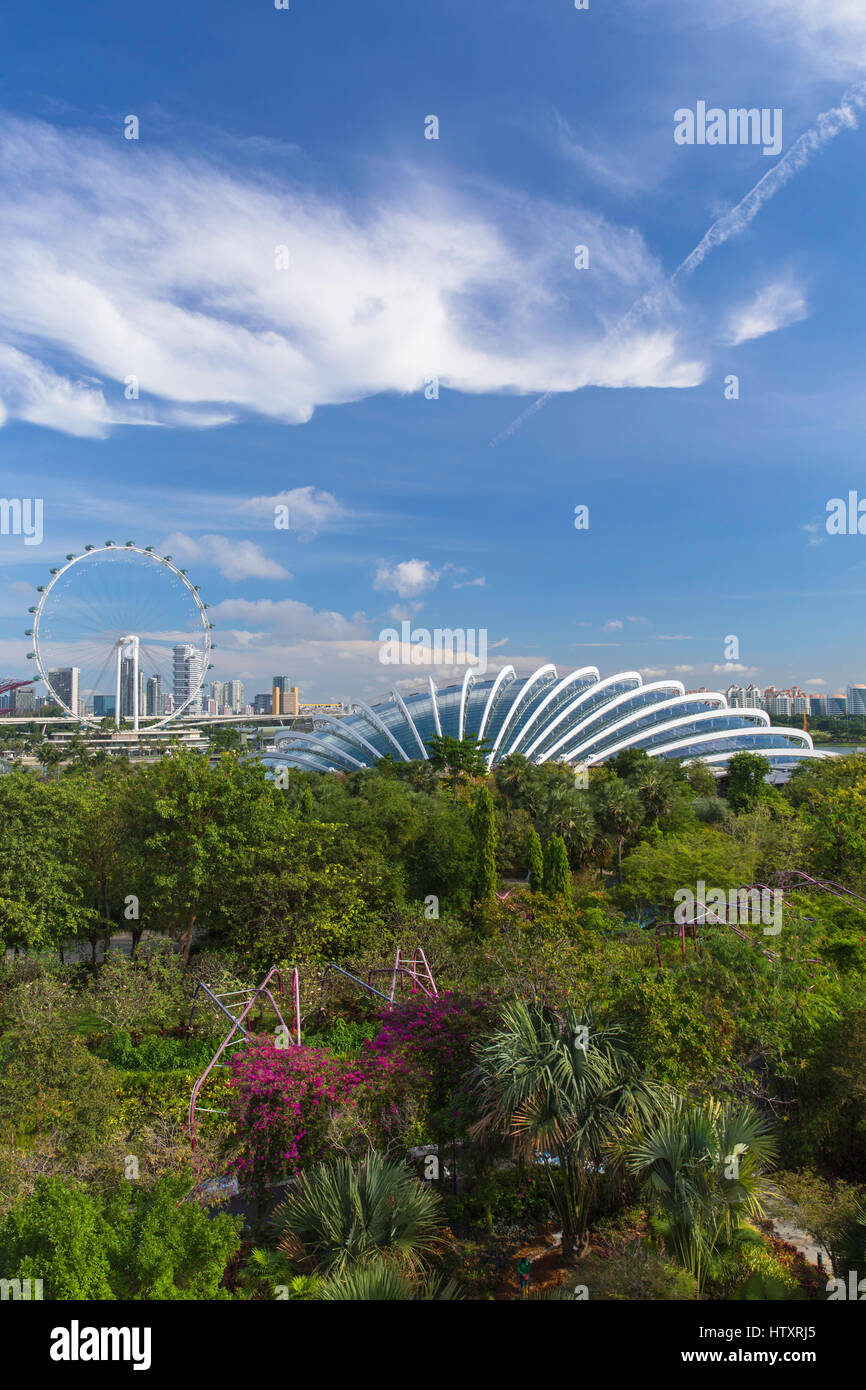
(117,688)
(135,684)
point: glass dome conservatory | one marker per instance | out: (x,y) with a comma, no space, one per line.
(578,718)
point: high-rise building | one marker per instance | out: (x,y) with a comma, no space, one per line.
(103,705)
(279,687)
(855,699)
(779,702)
(188,672)
(229,696)
(262,704)
(23,700)
(284,697)
(836,704)
(127,676)
(64,682)
(818,704)
(153,700)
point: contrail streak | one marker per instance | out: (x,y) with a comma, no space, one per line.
(811,142)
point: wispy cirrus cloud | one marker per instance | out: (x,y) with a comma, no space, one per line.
(121,262)
(831,33)
(775,306)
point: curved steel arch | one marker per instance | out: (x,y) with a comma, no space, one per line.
(550,697)
(374,719)
(468,682)
(636,715)
(434,701)
(756,714)
(519,697)
(578,700)
(506,677)
(341,729)
(318,749)
(769,753)
(309,760)
(401,705)
(733,733)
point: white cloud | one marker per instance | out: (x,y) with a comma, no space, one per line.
(612,625)
(815,680)
(656,672)
(31,391)
(775,306)
(309,509)
(832,33)
(402,612)
(285,620)
(233,558)
(120,261)
(733,666)
(407,579)
(479,583)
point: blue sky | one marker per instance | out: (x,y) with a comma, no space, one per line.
(410,258)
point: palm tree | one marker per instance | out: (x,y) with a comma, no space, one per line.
(561,1091)
(382,1283)
(705,1167)
(265,1271)
(619,812)
(658,790)
(344,1214)
(849,1242)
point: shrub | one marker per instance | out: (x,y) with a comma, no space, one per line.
(346,1214)
(57,1234)
(286,1102)
(154,1053)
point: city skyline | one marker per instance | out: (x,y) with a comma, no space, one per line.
(788,701)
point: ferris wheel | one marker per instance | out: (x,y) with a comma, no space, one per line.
(122,624)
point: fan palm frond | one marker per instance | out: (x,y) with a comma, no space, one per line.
(344,1213)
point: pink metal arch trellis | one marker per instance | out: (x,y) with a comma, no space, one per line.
(248,999)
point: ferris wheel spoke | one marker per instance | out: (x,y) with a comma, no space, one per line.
(100,599)
(99,677)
